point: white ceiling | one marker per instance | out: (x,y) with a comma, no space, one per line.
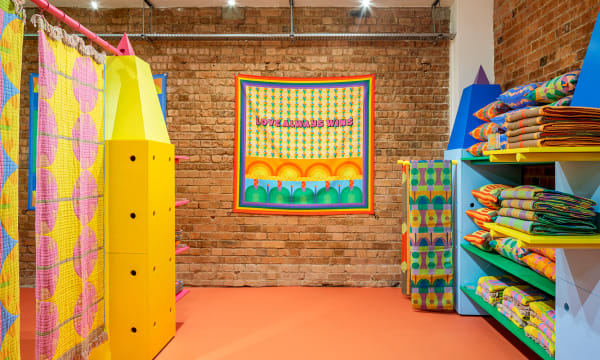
(246,3)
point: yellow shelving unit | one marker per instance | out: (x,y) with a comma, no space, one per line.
(545,154)
(546,241)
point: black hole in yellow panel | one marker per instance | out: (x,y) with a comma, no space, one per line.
(133,330)
(154,268)
(132,215)
(153,157)
(153,213)
(133,273)
(132,158)
(155,324)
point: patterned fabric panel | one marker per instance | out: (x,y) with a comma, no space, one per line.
(547,252)
(522,295)
(540,338)
(489,297)
(69,204)
(566,101)
(506,311)
(555,89)
(541,227)
(11,39)
(489,195)
(430,234)
(516,98)
(483,131)
(497,283)
(491,110)
(541,264)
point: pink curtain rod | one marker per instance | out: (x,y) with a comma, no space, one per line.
(75,25)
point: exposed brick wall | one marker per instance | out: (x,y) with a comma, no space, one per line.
(539,39)
(411,115)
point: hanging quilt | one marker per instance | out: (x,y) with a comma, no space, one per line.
(11,47)
(430,233)
(304,146)
(69,203)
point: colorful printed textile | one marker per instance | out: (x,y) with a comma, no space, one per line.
(547,252)
(550,200)
(500,120)
(482,216)
(521,312)
(69,204)
(483,131)
(555,89)
(478,148)
(497,283)
(566,101)
(572,123)
(540,338)
(304,146)
(492,110)
(553,207)
(543,312)
(545,228)
(567,141)
(509,248)
(506,311)
(11,61)
(489,195)
(497,142)
(489,297)
(541,217)
(541,264)
(557,129)
(516,98)
(550,334)
(571,113)
(480,239)
(430,231)
(522,295)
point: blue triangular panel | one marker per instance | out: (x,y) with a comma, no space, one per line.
(586,92)
(8,320)
(8,243)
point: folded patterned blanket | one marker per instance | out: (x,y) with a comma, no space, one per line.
(566,141)
(489,297)
(540,338)
(544,217)
(547,331)
(543,312)
(506,311)
(541,120)
(558,128)
(543,196)
(554,111)
(522,295)
(497,283)
(549,136)
(553,207)
(545,228)
(520,311)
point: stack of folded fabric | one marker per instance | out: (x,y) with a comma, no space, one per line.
(541,325)
(491,288)
(488,196)
(535,210)
(542,261)
(553,126)
(515,303)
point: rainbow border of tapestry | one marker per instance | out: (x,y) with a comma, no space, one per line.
(366,207)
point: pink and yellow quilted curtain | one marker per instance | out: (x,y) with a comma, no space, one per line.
(11,47)
(69,200)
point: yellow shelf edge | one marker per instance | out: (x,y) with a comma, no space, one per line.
(560,241)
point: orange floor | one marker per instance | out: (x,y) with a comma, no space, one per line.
(317,323)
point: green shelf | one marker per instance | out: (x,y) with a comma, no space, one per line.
(504,321)
(522,272)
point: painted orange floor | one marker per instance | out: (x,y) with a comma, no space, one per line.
(317,323)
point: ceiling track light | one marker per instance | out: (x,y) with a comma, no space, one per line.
(231,2)
(94,5)
(365,3)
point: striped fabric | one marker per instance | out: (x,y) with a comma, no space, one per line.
(540,228)
(540,338)
(522,295)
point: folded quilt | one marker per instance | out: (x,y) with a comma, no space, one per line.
(510,249)
(530,192)
(593,129)
(554,111)
(541,228)
(544,328)
(543,312)
(522,295)
(566,141)
(547,252)
(541,120)
(543,217)
(517,139)
(540,338)
(506,311)
(554,207)
(520,311)
(497,283)
(489,297)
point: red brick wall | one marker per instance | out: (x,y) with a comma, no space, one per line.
(536,40)
(411,115)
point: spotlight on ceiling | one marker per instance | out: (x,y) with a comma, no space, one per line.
(94,5)
(231,2)
(365,3)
